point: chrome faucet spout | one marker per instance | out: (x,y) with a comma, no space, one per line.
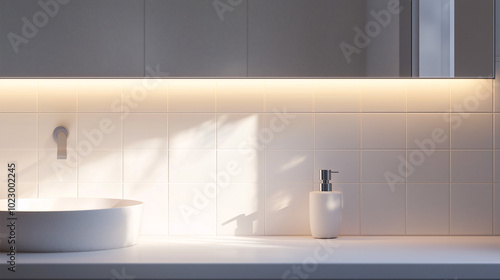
(60,135)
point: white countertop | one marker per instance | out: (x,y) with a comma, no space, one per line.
(279,257)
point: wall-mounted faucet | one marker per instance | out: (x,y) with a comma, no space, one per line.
(60,135)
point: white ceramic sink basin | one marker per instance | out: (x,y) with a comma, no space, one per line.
(72,224)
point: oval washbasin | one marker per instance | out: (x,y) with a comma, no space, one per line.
(71,224)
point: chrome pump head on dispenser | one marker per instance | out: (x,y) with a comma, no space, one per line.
(325,176)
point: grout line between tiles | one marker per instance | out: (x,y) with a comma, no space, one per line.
(265,160)
(449,187)
(77,141)
(493,135)
(360,140)
(37,139)
(122,136)
(216,158)
(406,158)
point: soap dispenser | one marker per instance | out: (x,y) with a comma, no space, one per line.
(325,208)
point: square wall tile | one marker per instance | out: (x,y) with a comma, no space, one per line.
(382,95)
(497,129)
(383,166)
(334,95)
(51,169)
(191,95)
(54,189)
(24,190)
(47,122)
(496,173)
(428,209)
(18,95)
(496,205)
(289,95)
(100,95)
(145,166)
(428,95)
(99,132)
(28,190)
(241,131)
(471,131)
(26,166)
(19,131)
(337,131)
(192,209)
(240,209)
(428,131)
(383,131)
(145,131)
(496,82)
(240,95)
(471,209)
(191,131)
(145,95)
(296,134)
(100,190)
(192,166)
(471,166)
(287,209)
(289,166)
(100,167)
(57,95)
(351,211)
(383,209)
(240,166)
(346,162)
(431,167)
(471,95)
(155,217)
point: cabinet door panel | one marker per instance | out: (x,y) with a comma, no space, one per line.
(78,38)
(197,38)
(328,38)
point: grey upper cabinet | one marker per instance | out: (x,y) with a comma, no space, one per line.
(62,38)
(197,38)
(247,38)
(329,38)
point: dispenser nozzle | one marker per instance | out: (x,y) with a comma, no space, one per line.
(325,177)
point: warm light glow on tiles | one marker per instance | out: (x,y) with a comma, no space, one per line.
(172,141)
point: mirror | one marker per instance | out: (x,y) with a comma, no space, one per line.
(453,38)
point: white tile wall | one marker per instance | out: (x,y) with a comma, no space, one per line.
(383,209)
(471,209)
(496,205)
(383,131)
(239,157)
(428,209)
(337,131)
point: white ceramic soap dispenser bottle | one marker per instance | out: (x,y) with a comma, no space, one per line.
(325,208)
